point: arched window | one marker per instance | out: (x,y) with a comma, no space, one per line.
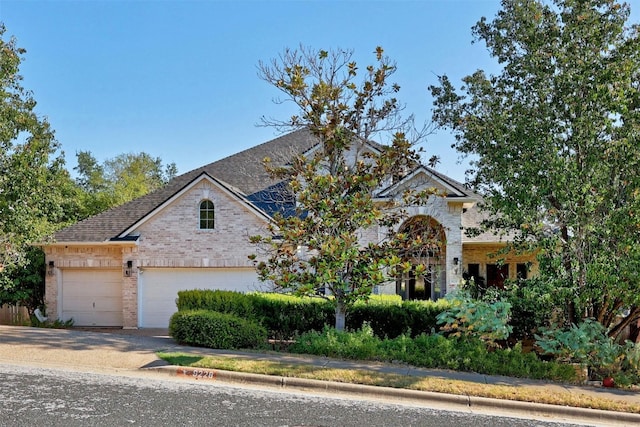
(430,284)
(207,215)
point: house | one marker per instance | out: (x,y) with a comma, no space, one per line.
(124,267)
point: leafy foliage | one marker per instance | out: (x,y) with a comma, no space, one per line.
(215,330)
(556,139)
(468,317)
(118,180)
(431,351)
(588,344)
(288,316)
(394,319)
(24,284)
(532,305)
(231,302)
(318,250)
(36,191)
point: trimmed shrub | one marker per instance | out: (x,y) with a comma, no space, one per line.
(286,316)
(212,329)
(231,302)
(393,318)
(422,315)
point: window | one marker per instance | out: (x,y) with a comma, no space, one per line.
(427,285)
(521,271)
(207,215)
(497,274)
(473,271)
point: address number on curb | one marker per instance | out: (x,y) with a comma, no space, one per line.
(198,374)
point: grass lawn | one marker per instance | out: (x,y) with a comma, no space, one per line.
(307,371)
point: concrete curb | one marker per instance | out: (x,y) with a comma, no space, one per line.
(460,401)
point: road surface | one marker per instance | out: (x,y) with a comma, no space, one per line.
(32,396)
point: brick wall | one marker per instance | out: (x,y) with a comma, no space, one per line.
(69,257)
(173,237)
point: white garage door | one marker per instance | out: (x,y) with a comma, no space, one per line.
(92,297)
(158,289)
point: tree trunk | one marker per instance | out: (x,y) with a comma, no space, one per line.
(572,316)
(634,332)
(341,315)
(633,316)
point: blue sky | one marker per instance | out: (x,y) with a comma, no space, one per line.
(178,79)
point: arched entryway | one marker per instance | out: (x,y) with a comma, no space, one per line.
(431,252)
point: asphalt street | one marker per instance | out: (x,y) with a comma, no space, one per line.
(132,353)
(57,397)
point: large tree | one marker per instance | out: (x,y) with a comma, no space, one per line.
(320,245)
(34,186)
(554,138)
(119,180)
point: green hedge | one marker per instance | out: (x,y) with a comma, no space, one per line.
(212,329)
(216,300)
(286,316)
(392,319)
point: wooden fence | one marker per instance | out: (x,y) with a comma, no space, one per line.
(13,315)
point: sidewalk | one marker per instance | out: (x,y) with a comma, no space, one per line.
(126,350)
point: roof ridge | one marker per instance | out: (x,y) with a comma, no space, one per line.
(246,150)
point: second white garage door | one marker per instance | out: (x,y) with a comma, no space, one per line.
(158,289)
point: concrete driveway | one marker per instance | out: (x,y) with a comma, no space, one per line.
(89,349)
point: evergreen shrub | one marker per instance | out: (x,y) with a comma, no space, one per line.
(221,301)
(212,329)
(287,316)
(393,318)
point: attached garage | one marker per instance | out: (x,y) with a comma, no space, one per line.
(92,297)
(158,288)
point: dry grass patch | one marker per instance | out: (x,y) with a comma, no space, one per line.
(535,394)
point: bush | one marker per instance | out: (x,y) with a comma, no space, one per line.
(532,305)
(358,345)
(216,330)
(589,345)
(422,315)
(390,318)
(468,317)
(431,351)
(231,302)
(286,316)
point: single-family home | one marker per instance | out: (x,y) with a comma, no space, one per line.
(124,267)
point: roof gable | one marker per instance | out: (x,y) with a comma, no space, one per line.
(243,171)
(226,189)
(424,177)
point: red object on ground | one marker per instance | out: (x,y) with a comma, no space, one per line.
(608,382)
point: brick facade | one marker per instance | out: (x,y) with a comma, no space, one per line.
(172,238)
(160,232)
(99,257)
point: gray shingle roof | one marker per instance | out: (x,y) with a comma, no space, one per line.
(243,170)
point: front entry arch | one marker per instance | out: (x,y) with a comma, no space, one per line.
(431,253)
